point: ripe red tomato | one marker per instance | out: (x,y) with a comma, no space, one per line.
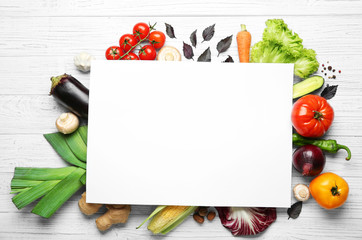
(140,31)
(147,52)
(131,56)
(312,116)
(127,41)
(157,39)
(114,53)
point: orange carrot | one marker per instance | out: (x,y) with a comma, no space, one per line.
(243,39)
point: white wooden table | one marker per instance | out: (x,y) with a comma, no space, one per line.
(39,38)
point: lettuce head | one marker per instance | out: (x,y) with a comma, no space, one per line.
(281,45)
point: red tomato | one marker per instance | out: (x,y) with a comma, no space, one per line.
(131,56)
(127,41)
(114,53)
(312,116)
(141,31)
(147,53)
(157,39)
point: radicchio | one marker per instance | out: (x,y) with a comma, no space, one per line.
(246,221)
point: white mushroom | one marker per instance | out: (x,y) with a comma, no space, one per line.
(301,192)
(168,53)
(67,123)
(83,61)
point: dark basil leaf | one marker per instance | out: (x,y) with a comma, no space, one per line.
(295,210)
(193,38)
(188,53)
(229,59)
(208,33)
(329,92)
(169,30)
(224,44)
(205,56)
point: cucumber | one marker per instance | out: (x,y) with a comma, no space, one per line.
(307,86)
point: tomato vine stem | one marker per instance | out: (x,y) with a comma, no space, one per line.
(152,27)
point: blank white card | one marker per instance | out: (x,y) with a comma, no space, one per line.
(190,133)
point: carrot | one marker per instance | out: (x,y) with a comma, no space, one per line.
(243,39)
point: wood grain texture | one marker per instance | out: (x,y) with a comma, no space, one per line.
(39,39)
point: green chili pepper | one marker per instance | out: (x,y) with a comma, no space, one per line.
(329,145)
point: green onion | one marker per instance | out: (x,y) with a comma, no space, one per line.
(83,131)
(77,145)
(24,198)
(55,198)
(41,174)
(61,147)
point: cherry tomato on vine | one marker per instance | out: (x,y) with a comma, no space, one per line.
(147,52)
(141,31)
(312,116)
(131,56)
(329,190)
(114,53)
(157,39)
(127,41)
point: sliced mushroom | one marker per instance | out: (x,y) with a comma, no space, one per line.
(168,53)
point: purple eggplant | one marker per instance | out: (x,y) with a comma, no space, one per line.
(72,94)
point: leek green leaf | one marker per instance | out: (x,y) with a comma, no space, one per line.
(24,198)
(59,194)
(59,144)
(77,145)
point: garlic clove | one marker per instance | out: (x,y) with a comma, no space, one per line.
(83,61)
(67,123)
(168,53)
(301,192)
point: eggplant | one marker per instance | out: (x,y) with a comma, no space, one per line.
(72,94)
(307,86)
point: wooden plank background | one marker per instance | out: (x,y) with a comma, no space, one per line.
(39,39)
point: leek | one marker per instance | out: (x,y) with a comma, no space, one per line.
(61,147)
(83,131)
(24,198)
(77,145)
(59,194)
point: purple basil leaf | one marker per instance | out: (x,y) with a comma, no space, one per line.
(224,44)
(295,210)
(208,33)
(188,53)
(205,56)
(193,38)
(229,59)
(329,91)
(169,30)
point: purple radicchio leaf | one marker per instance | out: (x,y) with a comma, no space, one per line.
(188,52)
(246,221)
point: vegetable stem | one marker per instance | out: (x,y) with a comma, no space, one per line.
(347,149)
(243,27)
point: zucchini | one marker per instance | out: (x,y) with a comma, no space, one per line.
(307,86)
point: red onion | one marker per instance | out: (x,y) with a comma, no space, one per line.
(309,160)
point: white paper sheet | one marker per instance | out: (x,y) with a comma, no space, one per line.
(190,133)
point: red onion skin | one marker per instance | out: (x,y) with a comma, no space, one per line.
(309,160)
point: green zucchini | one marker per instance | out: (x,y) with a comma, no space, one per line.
(307,86)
